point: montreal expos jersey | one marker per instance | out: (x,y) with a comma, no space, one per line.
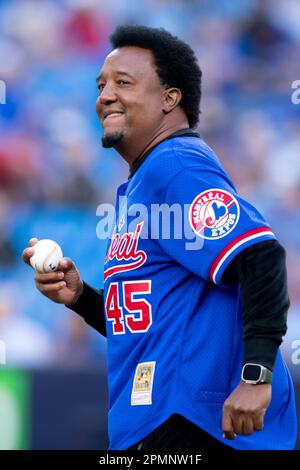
(174,330)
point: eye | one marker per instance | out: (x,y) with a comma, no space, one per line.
(100,87)
(122,82)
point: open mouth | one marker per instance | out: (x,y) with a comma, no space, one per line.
(112,116)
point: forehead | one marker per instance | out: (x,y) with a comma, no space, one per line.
(135,61)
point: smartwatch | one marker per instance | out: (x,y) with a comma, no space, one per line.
(256,374)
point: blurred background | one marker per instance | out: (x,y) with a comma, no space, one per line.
(54,173)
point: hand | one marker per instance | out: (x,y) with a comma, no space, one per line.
(245,408)
(64,286)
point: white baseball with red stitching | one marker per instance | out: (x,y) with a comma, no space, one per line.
(47,254)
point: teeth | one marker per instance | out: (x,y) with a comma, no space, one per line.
(112,114)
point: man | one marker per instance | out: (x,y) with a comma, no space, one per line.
(193,334)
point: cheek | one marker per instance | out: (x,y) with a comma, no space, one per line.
(144,111)
(98,105)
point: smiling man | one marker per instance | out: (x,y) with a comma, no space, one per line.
(193,335)
(135,109)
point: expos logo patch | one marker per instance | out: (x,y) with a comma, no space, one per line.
(214,213)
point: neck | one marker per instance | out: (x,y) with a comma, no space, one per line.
(132,153)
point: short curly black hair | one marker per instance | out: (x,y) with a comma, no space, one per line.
(175,61)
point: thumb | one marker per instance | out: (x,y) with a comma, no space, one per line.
(65,264)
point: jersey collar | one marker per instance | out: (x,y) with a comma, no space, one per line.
(182,133)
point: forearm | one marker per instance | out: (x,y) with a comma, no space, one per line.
(261,273)
(90,306)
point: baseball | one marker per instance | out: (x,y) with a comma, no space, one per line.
(47,254)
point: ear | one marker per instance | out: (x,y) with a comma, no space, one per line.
(172,97)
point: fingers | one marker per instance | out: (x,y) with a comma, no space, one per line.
(227,425)
(240,423)
(26,255)
(47,289)
(33,241)
(29,251)
(247,425)
(258,422)
(243,424)
(51,282)
(65,264)
(229,435)
(46,278)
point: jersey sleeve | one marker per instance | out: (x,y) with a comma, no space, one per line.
(210,222)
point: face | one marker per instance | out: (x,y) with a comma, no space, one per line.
(130,98)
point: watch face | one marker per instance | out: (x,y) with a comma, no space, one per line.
(252,372)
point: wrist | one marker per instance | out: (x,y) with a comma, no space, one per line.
(77,295)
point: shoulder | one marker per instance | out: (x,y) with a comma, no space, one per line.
(180,155)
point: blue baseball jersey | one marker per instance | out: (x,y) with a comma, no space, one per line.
(175,336)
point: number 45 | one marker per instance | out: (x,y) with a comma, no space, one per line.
(135,323)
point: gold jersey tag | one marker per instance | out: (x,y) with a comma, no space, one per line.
(142,384)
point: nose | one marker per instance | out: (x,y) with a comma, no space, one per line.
(107,94)
(106,97)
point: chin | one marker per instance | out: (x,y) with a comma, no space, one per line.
(112,138)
